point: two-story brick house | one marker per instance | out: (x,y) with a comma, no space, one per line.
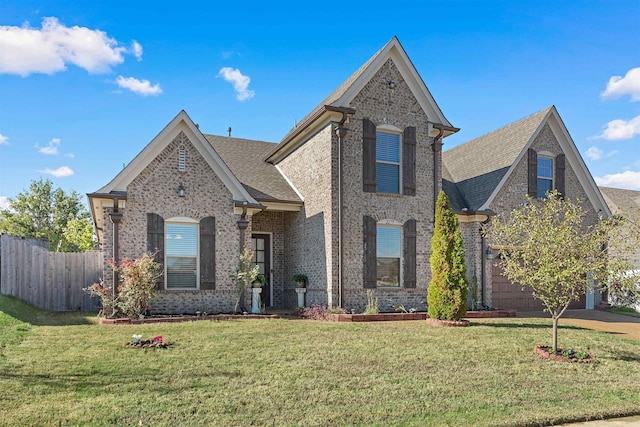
(347,197)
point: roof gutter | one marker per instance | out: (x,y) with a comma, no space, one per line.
(304,126)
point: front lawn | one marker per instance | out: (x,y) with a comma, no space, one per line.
(307,373)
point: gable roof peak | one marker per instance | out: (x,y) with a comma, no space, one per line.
(342,97)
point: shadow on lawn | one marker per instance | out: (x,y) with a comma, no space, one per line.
(527,325)
(27,313)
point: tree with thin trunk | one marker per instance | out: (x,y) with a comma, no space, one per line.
(548,245)
(448,288)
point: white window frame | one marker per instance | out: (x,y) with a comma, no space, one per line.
(182,221)
(392,130)
(550,157)
(399,226)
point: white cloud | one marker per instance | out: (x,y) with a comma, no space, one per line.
(61,172)
(628,85)
(51,149)
(141,87)
(627,179)
(4,140)
(4,202)
(239,81)
(594,153)
(27,50)
(621,129)
(136,50)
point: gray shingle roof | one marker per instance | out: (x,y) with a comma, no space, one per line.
(620,200)
(477,166)
(261,179)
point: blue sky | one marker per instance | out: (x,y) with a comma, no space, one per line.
(84,86)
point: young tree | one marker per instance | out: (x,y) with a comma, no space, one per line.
(45,213)
(447,294)
(547,244)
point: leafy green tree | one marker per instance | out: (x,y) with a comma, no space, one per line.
(549,245)
(447,294)
(47,213)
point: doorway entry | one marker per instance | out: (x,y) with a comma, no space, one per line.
(262,258)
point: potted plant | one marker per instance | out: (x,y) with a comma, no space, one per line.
(259,282)
(301,280)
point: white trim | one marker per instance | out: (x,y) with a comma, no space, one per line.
(183,220)
(286,178)
(389,128)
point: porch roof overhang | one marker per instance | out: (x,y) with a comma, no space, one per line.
(99,201)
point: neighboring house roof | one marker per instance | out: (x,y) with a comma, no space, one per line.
(620,200)
(339,101)
(245,159)
(478,169)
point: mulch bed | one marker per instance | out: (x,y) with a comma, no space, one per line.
(183,318)
(149,344)
(458,323)
(547,352)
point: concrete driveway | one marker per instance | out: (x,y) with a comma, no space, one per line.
(599,320)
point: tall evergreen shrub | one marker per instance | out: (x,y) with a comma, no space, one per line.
(447,293)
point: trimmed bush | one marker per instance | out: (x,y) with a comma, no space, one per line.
(447,293)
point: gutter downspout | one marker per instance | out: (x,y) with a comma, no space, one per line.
(483,276)
(115,216)
(341,132)
(437,148)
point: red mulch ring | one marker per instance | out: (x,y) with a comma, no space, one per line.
(569,356)
(436,322)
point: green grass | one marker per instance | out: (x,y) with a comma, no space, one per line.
(628,311)
(65,369)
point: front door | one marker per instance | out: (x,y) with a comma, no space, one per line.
(262,258)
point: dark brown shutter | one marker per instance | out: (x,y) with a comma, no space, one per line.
(409,161)
(208,253)
(532,175)
(155,242)
(370,255)
(410,254)
(368,156)
(560,174)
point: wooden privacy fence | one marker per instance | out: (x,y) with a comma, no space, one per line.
(49,280)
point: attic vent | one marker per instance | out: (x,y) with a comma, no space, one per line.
(182,159)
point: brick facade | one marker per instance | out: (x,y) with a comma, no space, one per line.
(154,190)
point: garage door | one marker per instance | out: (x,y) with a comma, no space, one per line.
(508,295)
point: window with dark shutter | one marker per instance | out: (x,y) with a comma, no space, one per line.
(208,253)
(388,257)
(368,156)
(410,254)
(409,161)
(181,250)
(532,173)
(560,173)
(369,261)
(155,242)
(388,153)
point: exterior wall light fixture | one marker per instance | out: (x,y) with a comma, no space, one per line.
(489,253)
(181,191)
